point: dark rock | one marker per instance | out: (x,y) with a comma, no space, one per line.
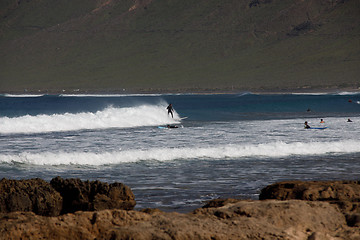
(257,3)
(33,195)
(151,210)
(353,220)
(220,202)
(303,28)
(95,195)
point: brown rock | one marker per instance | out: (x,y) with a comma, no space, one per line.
(313,191)
(271,219)
(220,202)
(34,195)
(344,194)
(95,195)
(219,219)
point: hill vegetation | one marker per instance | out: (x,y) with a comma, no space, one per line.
(177,45)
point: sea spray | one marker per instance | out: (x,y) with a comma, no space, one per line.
(111,117)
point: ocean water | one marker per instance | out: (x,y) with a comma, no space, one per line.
(231,145)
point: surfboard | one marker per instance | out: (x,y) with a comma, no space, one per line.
(171,127)
(318,128)
(182,118)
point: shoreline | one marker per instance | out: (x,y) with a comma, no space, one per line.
(314,91)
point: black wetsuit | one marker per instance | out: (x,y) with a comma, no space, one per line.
(170,110)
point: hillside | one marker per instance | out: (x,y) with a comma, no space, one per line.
(177,45)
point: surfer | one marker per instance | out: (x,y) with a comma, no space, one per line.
(172,126)
(322,121)
(170,110)
(349,120)
(306,125)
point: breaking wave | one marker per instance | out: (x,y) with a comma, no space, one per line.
(145,115)
(268,150)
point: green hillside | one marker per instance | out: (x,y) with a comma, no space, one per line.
(179,45)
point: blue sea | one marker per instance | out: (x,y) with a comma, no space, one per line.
(230,145)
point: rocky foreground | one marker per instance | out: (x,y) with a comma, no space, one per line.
(73,209)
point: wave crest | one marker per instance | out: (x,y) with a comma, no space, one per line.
(268,150)
(145,115)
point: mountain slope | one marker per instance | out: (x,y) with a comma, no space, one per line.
(177,45)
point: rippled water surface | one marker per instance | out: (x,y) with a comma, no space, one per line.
(229,146)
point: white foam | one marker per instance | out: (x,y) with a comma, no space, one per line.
(272,150)
(326,93)
(145,115)
(23,95)
(348,93)
(126,95)
(109,95)
(311,93)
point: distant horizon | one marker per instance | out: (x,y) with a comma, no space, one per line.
(342,91)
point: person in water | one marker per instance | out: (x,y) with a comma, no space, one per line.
(322,121)
(172,126)
(306,125)
(170,110)
(349,120)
